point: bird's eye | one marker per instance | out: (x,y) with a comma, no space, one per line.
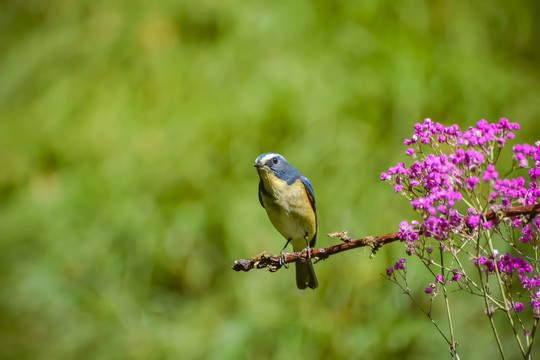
(275,161)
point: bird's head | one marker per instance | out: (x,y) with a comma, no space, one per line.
(275,164)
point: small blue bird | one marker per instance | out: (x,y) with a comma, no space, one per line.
(288,199)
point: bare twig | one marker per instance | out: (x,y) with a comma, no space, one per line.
(273,262)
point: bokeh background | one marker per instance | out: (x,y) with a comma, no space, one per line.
(128,130)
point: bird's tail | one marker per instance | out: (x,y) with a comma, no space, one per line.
(305,275)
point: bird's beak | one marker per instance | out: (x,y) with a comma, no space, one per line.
(257,165)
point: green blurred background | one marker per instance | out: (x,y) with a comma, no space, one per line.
(128,130)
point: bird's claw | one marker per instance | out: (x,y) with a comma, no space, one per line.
(283,259)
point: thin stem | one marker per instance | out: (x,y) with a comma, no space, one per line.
(535,247)
(490,314)
(407,291)
(447,305)
(505,301)
(485,290)
(511,170)
(468,279)
(529,349)
(512,301)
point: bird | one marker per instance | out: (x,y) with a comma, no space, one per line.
(289,201)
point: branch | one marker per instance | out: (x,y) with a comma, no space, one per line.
(274,263)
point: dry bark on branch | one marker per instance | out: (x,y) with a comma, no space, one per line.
(274,263)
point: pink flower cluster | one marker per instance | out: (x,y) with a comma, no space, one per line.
(435,183)
(450,168)
(456,275)
(505,265)
(399,265)
(485,132)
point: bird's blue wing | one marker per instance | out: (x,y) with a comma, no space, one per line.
(309,191)
(311,197)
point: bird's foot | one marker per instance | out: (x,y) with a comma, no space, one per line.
(283,259)
(308,248)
